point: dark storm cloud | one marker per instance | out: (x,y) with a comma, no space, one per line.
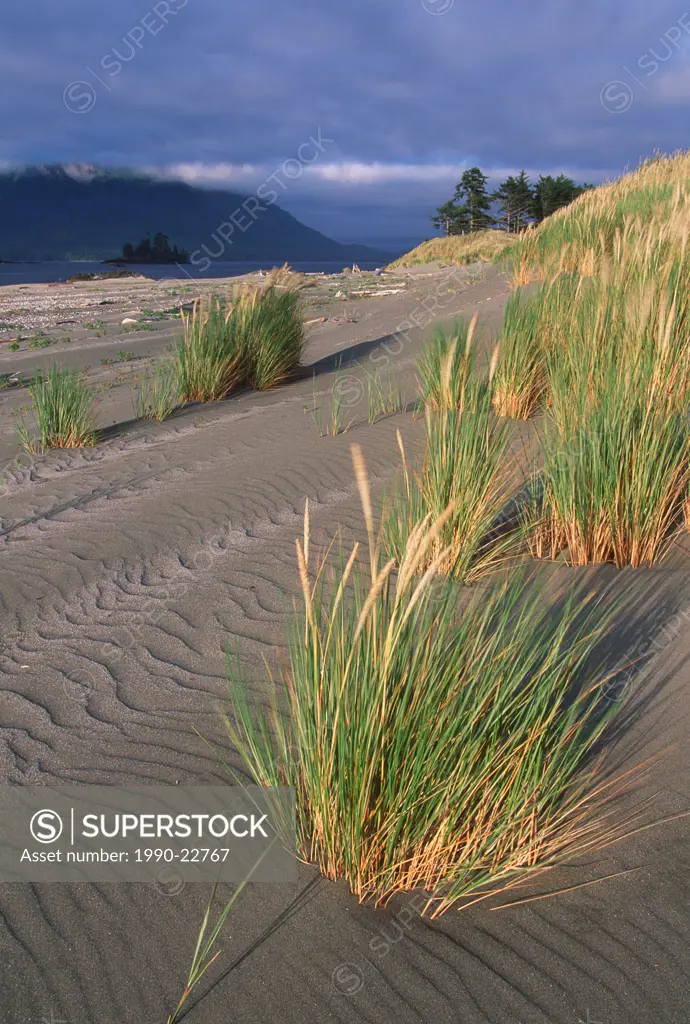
(410,91)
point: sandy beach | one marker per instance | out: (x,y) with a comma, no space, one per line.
(183,532)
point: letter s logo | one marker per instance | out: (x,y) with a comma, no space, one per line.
(46,826)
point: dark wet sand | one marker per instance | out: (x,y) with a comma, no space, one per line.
(194,521)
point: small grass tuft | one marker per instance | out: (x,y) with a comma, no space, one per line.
(463,484)
(384,398)
(62,411)
(158,397)
(446,366)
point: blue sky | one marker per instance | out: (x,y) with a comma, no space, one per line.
(407,94)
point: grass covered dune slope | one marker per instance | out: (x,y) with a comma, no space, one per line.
(648,211)
(461,249)
(598,348)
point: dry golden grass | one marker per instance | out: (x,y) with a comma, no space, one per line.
(609,330)
(283,278)
(616,443)
(642,216)
(460,249)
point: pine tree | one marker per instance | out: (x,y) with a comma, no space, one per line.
(472,189)
(451,219)
(523,196)
(161,245)
(550,194)
(504,197)
(516,198)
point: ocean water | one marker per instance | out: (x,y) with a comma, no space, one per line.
(43,273)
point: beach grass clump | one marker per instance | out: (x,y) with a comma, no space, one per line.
(257,339)
(520,378)
(616,466)
(616,444)
(433,742)
(63,412)
(445,369)
(158,397)
(464,476)
(267,329)
(208,359)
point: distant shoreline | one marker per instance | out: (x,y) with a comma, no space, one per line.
(21,261)
(125,261)
(57,271)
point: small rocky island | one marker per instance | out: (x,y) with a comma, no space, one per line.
(158,251)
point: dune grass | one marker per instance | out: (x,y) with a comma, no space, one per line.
(433,742)
(257,339)
(208,360)
(486,246)
(465,477)
(616,453)
(266,325)
(647,211)
(519,380)
(464,472)
(445,368)
(616,443)
(63,412)
(158,397)
(605,335)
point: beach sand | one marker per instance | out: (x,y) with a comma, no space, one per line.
(194,520)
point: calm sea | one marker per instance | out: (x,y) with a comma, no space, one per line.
(42,273)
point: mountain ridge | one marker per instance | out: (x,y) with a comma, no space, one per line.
(85,212)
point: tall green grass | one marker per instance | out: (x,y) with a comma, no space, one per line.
(256,339)
(63,412)
(464,472)
(616,442)
(464,469)
(267,326)
(616,466)
(433,742)
(445,368)
(208,359)
(519,380)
